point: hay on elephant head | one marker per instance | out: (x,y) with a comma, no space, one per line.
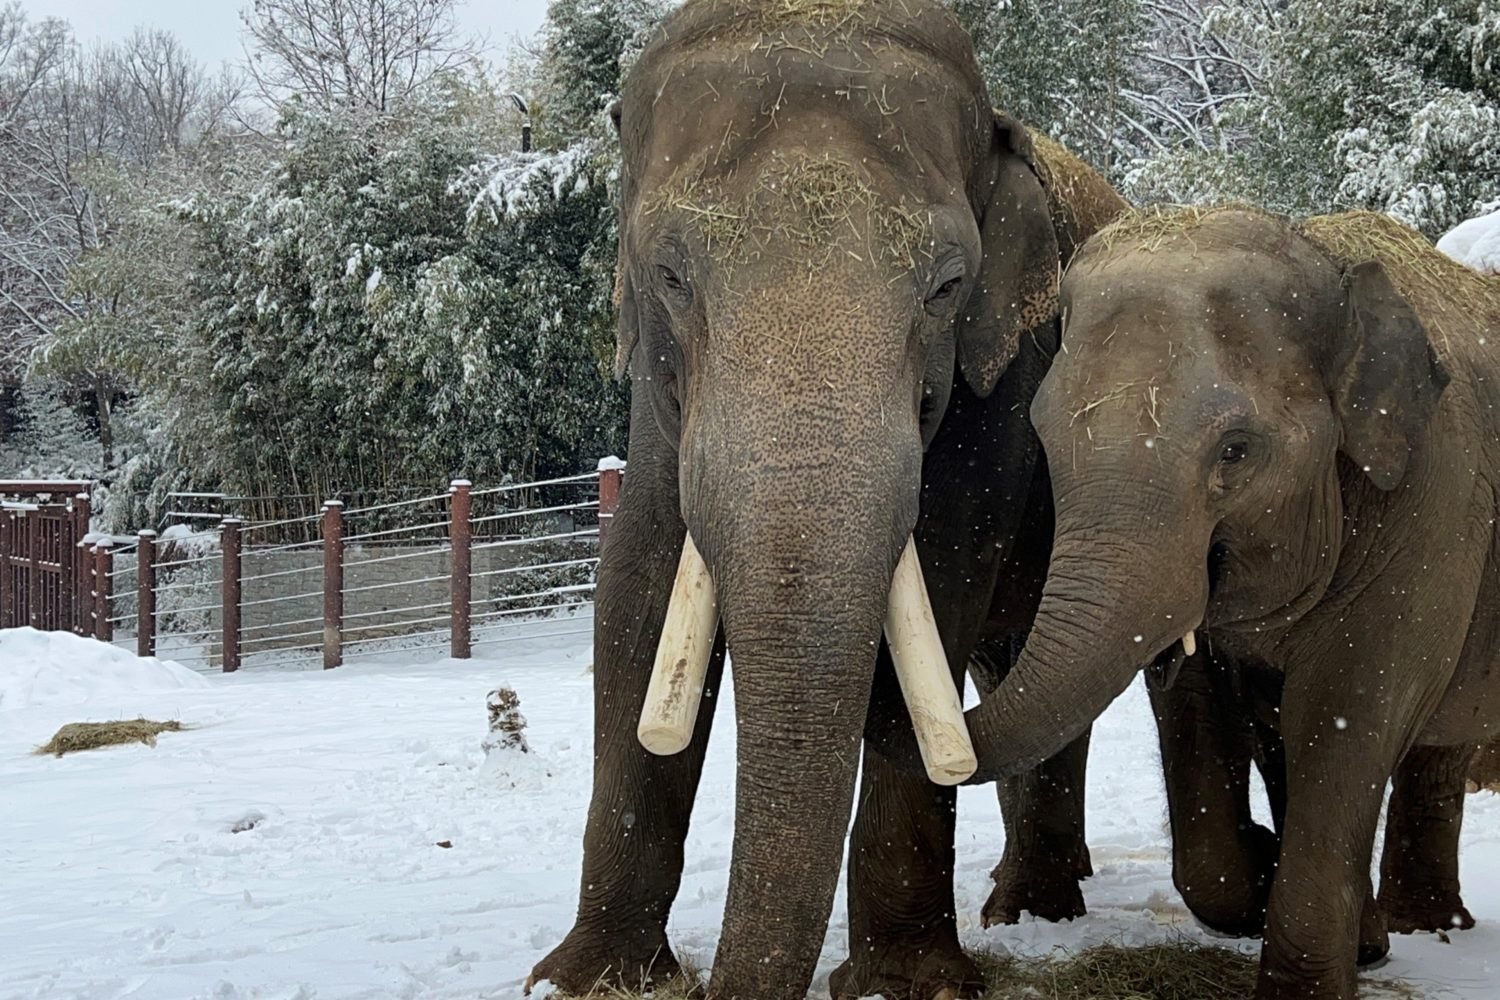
(1082,201)
(1447,295)
(1150,229)
(78,736)
(821,204)
(1453,300)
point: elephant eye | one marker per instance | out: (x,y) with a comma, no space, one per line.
(945,290)
(1233,452)
(670,279)
(942,294)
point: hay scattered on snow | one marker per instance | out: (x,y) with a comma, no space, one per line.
(77,736)
(688,985)
(1175,971)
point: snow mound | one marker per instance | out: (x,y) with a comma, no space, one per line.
(38,669)
(1475,243)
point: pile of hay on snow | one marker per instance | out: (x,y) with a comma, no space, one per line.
(1177,971)
(77,736)
(1182,970)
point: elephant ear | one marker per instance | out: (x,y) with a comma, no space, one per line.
(1386,380)
(1017,286)
(629,330)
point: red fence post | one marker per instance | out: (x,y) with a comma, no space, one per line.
(83,568)
(333,584)
(230,644)
(104,561)
(34,568)
(6,520)
(67,572)
(460,532)
(145,593)
(611,474)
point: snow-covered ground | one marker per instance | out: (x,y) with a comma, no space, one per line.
(122,874)
(1475,243)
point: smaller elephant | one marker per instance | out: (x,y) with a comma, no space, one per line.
(1278,442)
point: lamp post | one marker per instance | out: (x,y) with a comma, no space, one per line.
(525,122)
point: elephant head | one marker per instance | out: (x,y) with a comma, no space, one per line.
(1225,382)
(823,224)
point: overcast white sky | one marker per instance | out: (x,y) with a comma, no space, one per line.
(211,28)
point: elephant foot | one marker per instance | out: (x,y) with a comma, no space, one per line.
(1047,892)
(901,972)
(1228,893)
(1374,941)
(1408,911)
(599,963)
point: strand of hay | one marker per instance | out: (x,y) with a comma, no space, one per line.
(79,736)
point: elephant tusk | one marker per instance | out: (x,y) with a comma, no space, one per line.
(1190,644)
(687,641)
(937,713)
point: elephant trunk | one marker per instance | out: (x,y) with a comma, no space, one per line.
(1108,609)
(802,572)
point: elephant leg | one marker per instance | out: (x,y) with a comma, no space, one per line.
(1419,888)
(903,936)
(640,806)
(1046,854)
(1270,760)
(1223,862)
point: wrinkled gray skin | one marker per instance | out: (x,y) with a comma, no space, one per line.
(837,291)
(1252,439)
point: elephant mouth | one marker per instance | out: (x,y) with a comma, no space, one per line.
(1162,672)
(670,712)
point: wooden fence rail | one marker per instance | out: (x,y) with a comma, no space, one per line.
(54,575)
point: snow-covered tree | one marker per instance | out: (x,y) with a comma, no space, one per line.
(388,307)
(51,440)
(367,55)
(1065,67)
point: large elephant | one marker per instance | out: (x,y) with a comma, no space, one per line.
(838,294)
(1277,442)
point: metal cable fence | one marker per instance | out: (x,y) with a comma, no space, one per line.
(443,570)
